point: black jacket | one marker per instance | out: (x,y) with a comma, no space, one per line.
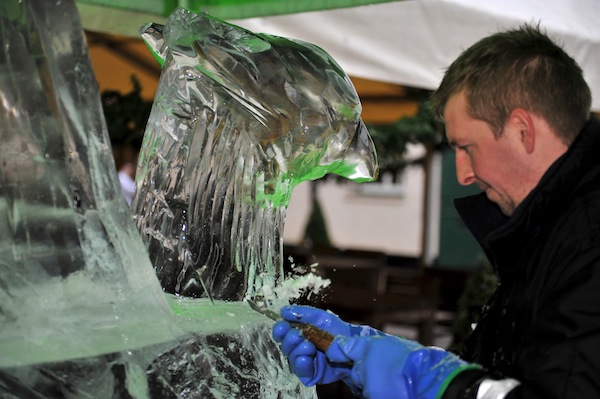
(542,325)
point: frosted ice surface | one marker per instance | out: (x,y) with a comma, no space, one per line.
(239,119)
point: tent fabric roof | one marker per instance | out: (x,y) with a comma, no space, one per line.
(412,42)
(407,42)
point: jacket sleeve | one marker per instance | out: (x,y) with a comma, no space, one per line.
(477,384)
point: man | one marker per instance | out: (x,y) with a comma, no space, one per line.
(517,113)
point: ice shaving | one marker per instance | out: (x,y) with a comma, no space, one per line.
(302,282)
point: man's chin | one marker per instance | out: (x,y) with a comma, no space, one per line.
(505,207)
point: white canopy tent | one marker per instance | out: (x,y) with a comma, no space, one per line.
(411,42)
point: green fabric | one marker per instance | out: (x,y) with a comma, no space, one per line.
(450,377)
(229,9)
(158,7)
(125,17)
(235,9)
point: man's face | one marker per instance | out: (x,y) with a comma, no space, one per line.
(496,165)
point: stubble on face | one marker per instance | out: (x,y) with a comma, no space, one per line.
(507,206)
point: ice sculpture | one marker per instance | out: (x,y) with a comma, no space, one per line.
(238,120)
(82,314)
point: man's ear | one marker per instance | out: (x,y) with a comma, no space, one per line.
(521,120)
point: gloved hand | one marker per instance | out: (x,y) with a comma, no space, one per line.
(374,365)
(309,364)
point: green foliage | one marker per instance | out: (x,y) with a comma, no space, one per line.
(391,140)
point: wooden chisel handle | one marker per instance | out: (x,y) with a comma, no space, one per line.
(320,338)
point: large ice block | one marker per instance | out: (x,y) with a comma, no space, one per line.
(75,278)
(239,119)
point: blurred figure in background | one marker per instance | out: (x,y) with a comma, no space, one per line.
(126,116)
(127,179)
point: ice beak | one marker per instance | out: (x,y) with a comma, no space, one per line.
(360,161)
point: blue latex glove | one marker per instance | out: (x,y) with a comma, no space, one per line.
(310,365)
(373,365)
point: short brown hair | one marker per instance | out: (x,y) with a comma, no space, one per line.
(518,68)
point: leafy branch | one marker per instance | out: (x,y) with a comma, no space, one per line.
(391,140)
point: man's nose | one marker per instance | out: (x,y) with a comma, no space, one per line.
(464,170)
